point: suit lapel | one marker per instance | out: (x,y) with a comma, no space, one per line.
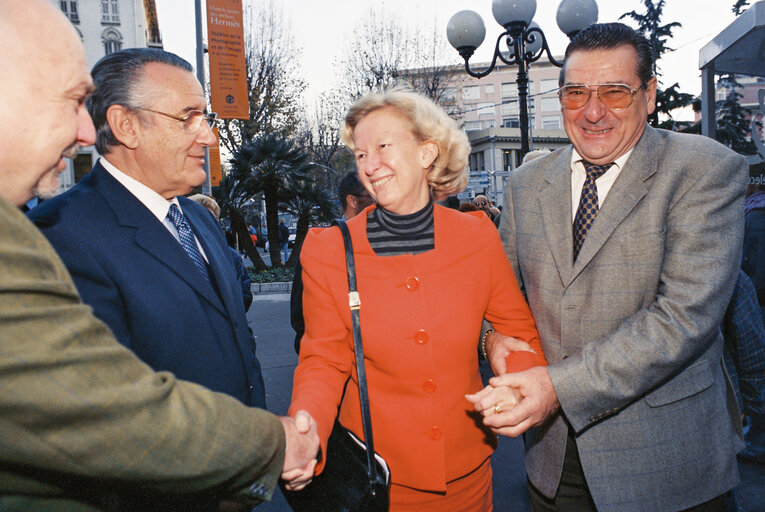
(627,191)
(217,255)
(150,235)
(555,205)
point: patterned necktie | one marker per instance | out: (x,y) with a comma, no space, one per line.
(588,204)
(187,240)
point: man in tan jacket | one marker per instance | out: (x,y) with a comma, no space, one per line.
(87,426)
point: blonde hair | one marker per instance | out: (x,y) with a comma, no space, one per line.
(448,174)
(208,202)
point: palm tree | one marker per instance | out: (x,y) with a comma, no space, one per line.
(232,196)
(272,164)
(311,204)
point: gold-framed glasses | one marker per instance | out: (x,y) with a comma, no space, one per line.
(614,96)
(192,121)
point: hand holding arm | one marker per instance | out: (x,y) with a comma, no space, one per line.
(498,347)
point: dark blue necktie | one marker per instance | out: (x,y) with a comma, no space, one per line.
(588,204)
(187,240)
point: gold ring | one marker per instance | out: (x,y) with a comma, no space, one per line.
(497,408)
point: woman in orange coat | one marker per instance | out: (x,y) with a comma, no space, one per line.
(427,277)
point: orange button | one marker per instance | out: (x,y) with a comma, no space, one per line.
(436,433)
(412,283)
(421,337)
(429,386)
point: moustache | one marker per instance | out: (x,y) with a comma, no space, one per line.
(71,151)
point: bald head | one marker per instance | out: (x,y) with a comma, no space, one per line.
(43,87)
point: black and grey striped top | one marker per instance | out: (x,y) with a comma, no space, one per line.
(390,234)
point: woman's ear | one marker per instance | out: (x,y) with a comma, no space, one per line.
(428,153)
(124,125)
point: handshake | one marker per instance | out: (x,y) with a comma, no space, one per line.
(302,450)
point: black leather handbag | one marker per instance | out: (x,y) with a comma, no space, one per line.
(355,478)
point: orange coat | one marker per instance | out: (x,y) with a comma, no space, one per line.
(421,320)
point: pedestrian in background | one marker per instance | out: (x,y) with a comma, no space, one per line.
(284,239)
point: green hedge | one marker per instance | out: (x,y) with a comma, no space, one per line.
(271,275)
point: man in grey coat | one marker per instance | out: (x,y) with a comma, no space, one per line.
(627,245)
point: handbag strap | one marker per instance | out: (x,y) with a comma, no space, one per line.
(354,301)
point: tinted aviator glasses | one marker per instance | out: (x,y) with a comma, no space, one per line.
(192,121)
(616,96)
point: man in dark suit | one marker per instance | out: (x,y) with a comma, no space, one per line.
(86,426)
(153,265)
(627,244)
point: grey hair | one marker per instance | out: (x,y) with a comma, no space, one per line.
(116,78)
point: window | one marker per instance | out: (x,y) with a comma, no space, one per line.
(476,161)
(110,11)
(488,124)
(511,122)
(112,41)
(549,85)
(510,108)
(489,89)
(69,8)
(507,159)
(550,105)
(82,166)
(471,92)
(509,89)
(450,93)
(531,86)
(471,126)
(551,122)
(485,109)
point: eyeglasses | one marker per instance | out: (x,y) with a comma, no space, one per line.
(192,121)
(615,96)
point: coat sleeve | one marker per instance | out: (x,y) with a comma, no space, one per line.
(326,349)
(703,231)
(85,409)
(508,312)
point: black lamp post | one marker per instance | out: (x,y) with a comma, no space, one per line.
(524,39)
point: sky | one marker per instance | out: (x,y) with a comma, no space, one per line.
(322,29)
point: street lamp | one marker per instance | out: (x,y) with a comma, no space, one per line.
(524,39)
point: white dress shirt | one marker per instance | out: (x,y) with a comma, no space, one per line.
(155,203)
(603,184)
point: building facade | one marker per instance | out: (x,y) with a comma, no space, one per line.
(106,26)
(489,111)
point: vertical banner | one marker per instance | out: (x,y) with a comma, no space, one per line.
(214,155)
(228,69)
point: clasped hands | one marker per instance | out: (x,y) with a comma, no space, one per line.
(302,450)
(513,402)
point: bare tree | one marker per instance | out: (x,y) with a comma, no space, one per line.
(273,85)
(384,51)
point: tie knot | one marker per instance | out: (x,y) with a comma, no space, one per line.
(175,215)
(596,171)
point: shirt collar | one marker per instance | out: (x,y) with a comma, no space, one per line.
(578,161)
(156,204)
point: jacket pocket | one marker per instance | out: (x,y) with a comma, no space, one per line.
(691,381)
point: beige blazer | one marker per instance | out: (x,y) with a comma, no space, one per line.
(87,426)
